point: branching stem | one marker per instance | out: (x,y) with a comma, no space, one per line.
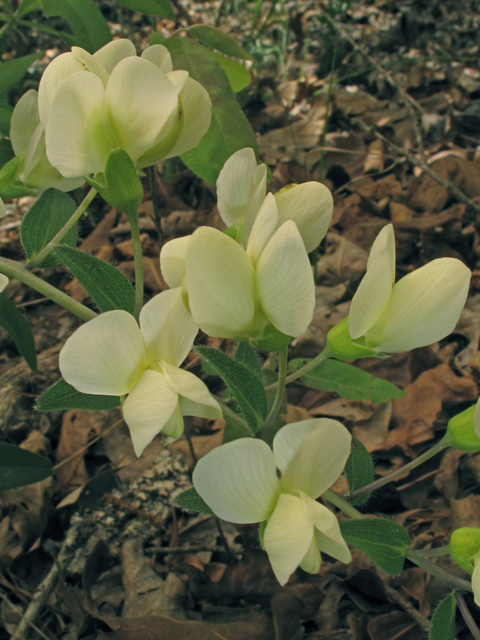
(277,403)
(303,370)
(138,258)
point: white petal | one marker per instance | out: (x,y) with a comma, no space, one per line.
(328,535)
(24,121)
(141,101)
(288,536)
(35,151)
(476,419)
(256,201)
(175,426)
(238,481)
(77,136)
(57,71)
(312,561)
(310,206)
(3,281)
(235,186)
(178,79)
(148,408)
(285,281)
(172,261)
(263,228)
(160,56)
(91,64)
(375,289)
(105,356)
(194,397)
(197,115)
(311,454)
(424,307)
(113,52)
(220,284)
(167,327)
(476,581)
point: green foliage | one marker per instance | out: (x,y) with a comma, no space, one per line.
(359,470)
(12,72)
(17,326)
(443,620)
(19,467)
(229,130)
(237,75)
(191,501)
(382,540)
(6,151)
(43,221)
(90,29)
(348,381)
(8,188)
(245,354)
(246,386)
(62,397)
(218,40)
(26,6)
(109,288)
(160,8)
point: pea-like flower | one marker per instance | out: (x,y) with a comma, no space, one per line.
(241,190)
(465,551)
(420,309)
(239,482)
(3,281)
(92,104)
(111,355)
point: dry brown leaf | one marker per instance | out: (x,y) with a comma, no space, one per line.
(201,444)
(374,160)
(78,428)
(395,626)
(400,213)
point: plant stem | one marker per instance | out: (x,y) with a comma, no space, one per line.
(430,553)
(467,616)
(63,231)
(277,403)
(424,563)
(13,269)
(233,417)
(138,258)
(380,482)
(303,370)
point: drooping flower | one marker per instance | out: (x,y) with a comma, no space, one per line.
(239,482)
(420,309)
(465,551)
(3,281)
(92,104)
(241,190)
(112,355)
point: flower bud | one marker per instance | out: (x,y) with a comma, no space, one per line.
(461,432)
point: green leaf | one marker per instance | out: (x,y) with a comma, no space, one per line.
(245,354)
(18,328)
(161,8)
(66,37)
(12,72)
(43,220)
(237,75)
(19,467)
(5,117)
(218,40)
(26,6)
(191,501)
(229,130)
(246,387)
(90,29)
(348,381)
(62,397)
(8,188)
(359,470)
(382,540)
(109,288)
(6,151)
(443,620)
(157,38)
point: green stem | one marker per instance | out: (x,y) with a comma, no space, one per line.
(325,355)
(138,258)
(467,616)
(430,553)
(63,231)
(13,269)
(277,403)
(398,473)
(233,417)
(424,563)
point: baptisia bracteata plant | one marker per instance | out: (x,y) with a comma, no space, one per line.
(111,355)
(239,482)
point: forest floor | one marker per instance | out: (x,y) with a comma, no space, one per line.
(369,102)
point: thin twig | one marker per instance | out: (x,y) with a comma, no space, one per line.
(47,586)
(165,551)
(157,218)
(451,188)
(400,599)
(467,616)
(20,612)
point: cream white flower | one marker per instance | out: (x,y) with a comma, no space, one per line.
(476,419)
(420,309)
(3,281)
(239,482)
(237,293)
(112,355)
(28,141)
(241,190)
(3,209)
(91,104)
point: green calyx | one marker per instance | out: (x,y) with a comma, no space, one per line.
(461,433)
(271,339)
(464,546)
(10,184)
(341,346)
